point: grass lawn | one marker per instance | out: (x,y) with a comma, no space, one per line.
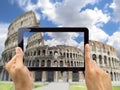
(116,88)
(10,86)
(77,87)
(80,87)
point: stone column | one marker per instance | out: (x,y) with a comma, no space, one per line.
(1,75)
(55,76)
(70,76)
(97,60)
(60,76)
(43,76)
(113,77)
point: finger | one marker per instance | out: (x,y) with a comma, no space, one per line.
(31,76)
(19,56)
(8,65)
(93,64)
(87,56)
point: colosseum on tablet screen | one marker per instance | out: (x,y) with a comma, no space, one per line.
(105,55)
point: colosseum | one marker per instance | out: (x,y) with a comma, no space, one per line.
(26,20)
(39,54)
(107,58)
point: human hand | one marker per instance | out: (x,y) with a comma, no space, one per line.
(96,78)
(20,75)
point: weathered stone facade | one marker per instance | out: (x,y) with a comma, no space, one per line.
(26,20)
(39,54)
(106,58)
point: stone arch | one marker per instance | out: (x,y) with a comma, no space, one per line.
(100,59)
(75,63)
(34,53)
(50,52)
(38,52)
(37,63)
(42,63)
(61,63)
(94,57)
(56,63)
(105,59)
(48,63)
(43,52)
(55,54)
(75,76)
(111,74)
(70,55)
(29,62)
(31,53)
(112,61)
(71,63)
(109,61)
(33,63)
(115,76)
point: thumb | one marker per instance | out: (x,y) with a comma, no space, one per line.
(87,56)
(19,55)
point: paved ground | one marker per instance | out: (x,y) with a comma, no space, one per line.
(55,86)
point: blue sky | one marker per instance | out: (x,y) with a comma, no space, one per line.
(59,38)
(101,17)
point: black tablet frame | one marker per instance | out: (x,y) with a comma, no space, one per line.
(21,32)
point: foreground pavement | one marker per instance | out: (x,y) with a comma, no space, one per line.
(55,86)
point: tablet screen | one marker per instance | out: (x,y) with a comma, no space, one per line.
(53,49)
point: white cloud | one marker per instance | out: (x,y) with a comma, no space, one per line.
(69,13)
(97,34)
(115,6)
(3,35)
(114,40)
(62,38)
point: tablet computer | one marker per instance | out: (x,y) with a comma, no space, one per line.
(53,49)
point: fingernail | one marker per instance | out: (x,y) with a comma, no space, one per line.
(18,50)
(87,45)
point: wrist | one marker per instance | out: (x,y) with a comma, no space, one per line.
(23,86)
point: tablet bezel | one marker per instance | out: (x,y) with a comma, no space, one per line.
(21,32)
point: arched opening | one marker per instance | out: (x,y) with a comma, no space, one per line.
(100,59)
(70,55)
(105,59)
(37,63)
(50,76)
(55,54)
(109,62)
(48,63)
(68,63)
(111,74)
(33,63)
(29,62)
(38,52)
(75,76)
(50,52)
(61,63)
(43,52)
(71,63)
(75,63)
(43,63)
(113,62)
(56,63)
(34,53)
(115,76)
(38,75)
